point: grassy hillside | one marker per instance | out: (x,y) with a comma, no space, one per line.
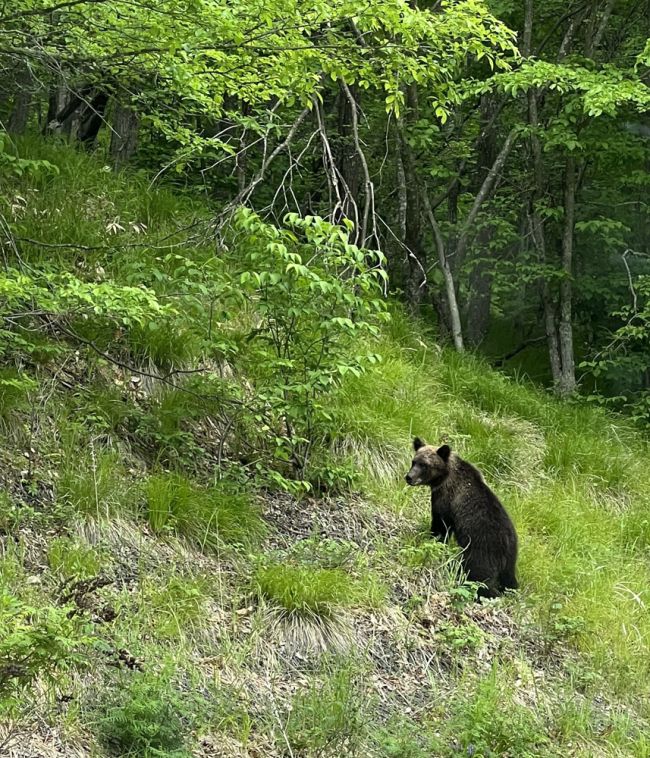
(166,591)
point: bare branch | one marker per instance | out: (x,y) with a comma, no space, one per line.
(50,9)
(369,201)
(335,177)
(452,302)
(484,193)
(244,194)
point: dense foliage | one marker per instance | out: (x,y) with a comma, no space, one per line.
(494,168)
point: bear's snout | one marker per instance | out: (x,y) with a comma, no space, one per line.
(409,479)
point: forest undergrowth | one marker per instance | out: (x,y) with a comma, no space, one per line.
(206,544)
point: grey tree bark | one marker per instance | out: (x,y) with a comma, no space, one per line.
(124,135)
(567,384)
(24,83)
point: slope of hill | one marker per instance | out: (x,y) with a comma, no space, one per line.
(167,591)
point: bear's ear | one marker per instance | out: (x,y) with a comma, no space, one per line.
(444,451)
(417,444)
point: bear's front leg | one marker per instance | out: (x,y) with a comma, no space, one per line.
(439,529)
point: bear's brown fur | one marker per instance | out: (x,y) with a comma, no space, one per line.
(463,505)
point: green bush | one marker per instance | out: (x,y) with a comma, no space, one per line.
(35,642)
(146,717)
(316,299)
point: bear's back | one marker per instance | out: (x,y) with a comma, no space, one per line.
(476,511)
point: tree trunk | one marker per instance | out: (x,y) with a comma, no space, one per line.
(411,215)
(399,262)
(550,327)
(346,156)
(480,292)
(19,117)
(538,234)
(124,137)
(480,279)
(568,380)
(450,286)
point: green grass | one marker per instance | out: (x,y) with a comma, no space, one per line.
(208,517)
(560,668)
(328,716)
(93,482)
(175,606)
(15,389)
(308,591)
(575,479)
(488,720)
(70,559)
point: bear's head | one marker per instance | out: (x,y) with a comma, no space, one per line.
(430,465)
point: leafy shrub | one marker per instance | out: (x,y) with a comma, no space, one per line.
(147,718)
(315,295)
(332,477)
(307,591)
(93,307)
(428,554)
(34,642)
(208,517)
(459,637)
(557,626)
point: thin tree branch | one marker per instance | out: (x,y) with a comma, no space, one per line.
(456,326)
(483,194)
(369,201)
(50,9)
(244,194)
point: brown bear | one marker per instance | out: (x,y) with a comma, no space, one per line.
(463,505)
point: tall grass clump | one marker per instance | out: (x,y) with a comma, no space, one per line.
(314,592)
(70,559)
(15,389)
(173,606)
(207,517)
(329,717)
(94,483)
